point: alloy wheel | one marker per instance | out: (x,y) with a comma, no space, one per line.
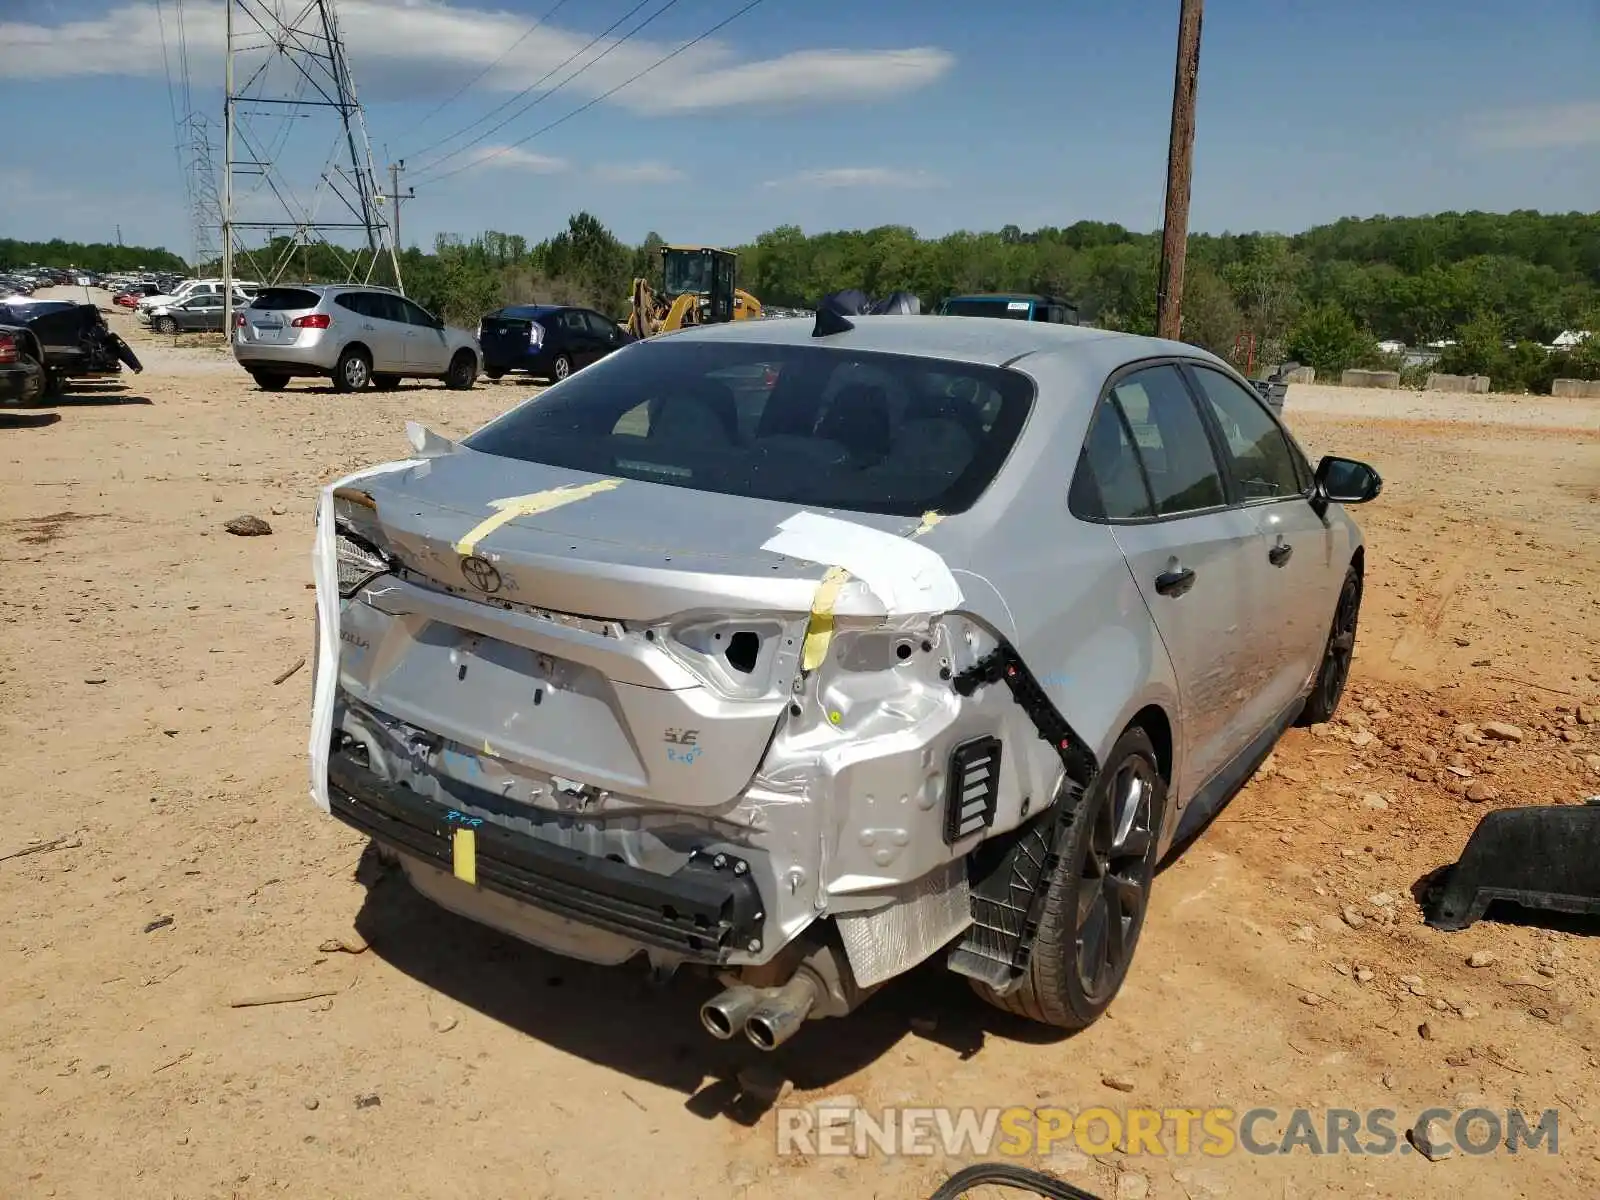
(355,373)
(1341,643)
(1114,881)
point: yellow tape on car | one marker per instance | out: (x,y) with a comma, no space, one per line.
(512,507)
(464,853)
(820,630)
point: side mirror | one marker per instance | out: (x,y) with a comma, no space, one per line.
(1346,481)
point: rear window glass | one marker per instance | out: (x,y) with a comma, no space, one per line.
(290,298)
(870,432)
(1015,310)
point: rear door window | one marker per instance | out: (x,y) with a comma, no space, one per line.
(1171,440)
(804,424)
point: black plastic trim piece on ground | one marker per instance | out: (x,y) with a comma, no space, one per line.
(704,910)
(1540,858)
(1011,877)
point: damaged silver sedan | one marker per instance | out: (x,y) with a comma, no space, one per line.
(809,653)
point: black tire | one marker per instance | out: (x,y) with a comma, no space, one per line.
(55,385)
(463,372)
(1101,873)
(1334,673)
(495,374)
(353,371)
(386,383)
(561,369)
(270,381)
(165,325)
(37,384)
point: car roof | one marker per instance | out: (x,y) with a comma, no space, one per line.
(991,343)
(532,310)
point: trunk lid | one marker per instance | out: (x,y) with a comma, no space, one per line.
(637,640)
(506,339)
(268,321)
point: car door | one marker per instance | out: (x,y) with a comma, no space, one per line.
(577,339)
(1295,572)
(365,317)
(1165,498)
(603,332)
(427,352)
(202,313)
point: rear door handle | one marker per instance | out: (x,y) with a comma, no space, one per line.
(1279,554)
(1175,582)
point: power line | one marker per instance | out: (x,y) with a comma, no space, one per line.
(606,95)
(456,95)
(592,42)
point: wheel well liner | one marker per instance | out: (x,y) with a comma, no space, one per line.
(1158,727)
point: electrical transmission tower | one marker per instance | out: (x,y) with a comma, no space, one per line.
(205,204)
(311,179)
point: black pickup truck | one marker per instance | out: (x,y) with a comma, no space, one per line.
(67,341)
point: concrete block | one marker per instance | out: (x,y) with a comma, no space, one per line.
(1370,379)
(1473,385)
(1301,375)
(1576,389)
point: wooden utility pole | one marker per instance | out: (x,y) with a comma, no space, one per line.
(1180,171)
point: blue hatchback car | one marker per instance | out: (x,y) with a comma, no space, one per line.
(550,341)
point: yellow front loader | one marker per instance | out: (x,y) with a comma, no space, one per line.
(697,288)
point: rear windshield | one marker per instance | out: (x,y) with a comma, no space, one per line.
(828,428)
(1016,310)
(284,298)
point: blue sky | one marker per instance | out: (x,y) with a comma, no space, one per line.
(841,114)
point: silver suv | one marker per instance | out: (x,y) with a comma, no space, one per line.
(353,335)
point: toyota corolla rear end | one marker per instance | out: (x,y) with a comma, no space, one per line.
(604,678)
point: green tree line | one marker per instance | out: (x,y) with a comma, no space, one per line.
(1500,285)
(98,257)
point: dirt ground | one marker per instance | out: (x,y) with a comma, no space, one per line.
(144,729)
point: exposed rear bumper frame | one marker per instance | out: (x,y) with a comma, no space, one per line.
(702,911)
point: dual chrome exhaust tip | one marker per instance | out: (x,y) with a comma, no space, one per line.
(768,1017)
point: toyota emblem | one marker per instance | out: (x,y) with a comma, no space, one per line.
(481,574)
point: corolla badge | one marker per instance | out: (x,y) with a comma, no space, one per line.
(481,574)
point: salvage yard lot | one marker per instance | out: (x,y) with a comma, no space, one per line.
(1284,965)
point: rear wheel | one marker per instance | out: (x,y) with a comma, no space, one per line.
(270,381)
(463,371)
(1095,907)
(1341,649)
(353,371)
(386,383)
(562,368)
(36,383)
(495,374)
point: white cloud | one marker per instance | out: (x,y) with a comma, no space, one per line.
(836,178)
(643,172)
(1541,127)
(514,157)
(426,49)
